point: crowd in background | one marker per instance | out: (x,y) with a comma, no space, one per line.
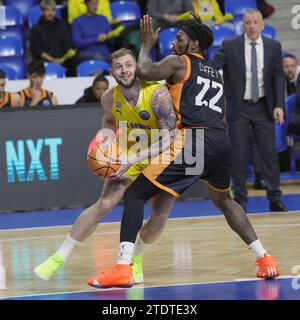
(87,31)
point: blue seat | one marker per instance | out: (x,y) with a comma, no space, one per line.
(12,17)
(17,63)
(13,31)
(239,7)
(11,74)
(293,138)
(87,68)
(269,31)
(166,37)
(54,70)
(238,25)
(23,6)
(11,46)
(127,11)
(35,13)
(281,137)
(284,53)
(221,33)
(211,52)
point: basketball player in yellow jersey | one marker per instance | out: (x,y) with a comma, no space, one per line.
(141,105)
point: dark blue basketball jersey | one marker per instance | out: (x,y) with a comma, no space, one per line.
(199,98)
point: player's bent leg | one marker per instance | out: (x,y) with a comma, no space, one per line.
(88,220)
(239,222)
(85,224)
(162,205)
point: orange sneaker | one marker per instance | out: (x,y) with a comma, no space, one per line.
(119,275)
(268,268)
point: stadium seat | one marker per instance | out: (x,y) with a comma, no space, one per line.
(281,137)
(11,73)
(211,52)
(284,53)
(269,31)
(12,17)
(88,67)
(239,7)
(35,12)
(23,6)
(289,106)
(220,33)
(238,26)
(13,31)
(54,70)
(166,37)
(127,11)
(11,46)
(17,63)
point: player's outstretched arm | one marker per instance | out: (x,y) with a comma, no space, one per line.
(147,70)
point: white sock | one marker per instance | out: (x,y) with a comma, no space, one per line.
(125,252)
(67,247)
(257,248)
(140,246)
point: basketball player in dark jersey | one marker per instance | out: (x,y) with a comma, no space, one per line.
(197,91)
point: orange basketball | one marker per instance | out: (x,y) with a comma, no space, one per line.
(101,159)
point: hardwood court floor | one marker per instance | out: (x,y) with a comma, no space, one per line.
(191,250)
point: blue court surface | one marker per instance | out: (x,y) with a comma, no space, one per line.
(182,209)
(256,289)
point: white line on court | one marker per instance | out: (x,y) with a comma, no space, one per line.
(215,216)
(166,230)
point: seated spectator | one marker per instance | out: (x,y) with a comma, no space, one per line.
(168,13)
(7,99)
(50,39)
(35,95)
(290,65)
(95,92)
(77,8)
(90,32)
(210,13)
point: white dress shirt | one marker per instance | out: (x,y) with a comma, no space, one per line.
(260,66)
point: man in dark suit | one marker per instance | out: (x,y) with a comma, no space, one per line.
(254,90)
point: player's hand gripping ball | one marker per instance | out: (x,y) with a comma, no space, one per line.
(103,159)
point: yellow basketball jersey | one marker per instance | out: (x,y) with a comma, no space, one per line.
(135,122)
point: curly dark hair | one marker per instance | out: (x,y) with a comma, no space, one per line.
(196,30)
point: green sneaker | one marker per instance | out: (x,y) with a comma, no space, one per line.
(137,268)
(49,268)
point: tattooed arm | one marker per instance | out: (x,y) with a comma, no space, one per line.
(162,107)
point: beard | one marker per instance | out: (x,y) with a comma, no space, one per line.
(128,85)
